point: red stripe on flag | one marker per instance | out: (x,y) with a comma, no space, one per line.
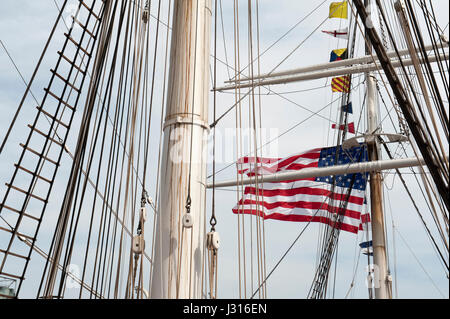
(365,218)
(297,166)
(282,164)
(304,205)
(298,218)
(303,191)
(294,158)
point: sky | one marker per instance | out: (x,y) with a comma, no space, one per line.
(417,273)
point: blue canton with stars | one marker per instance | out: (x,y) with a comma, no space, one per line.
(346,156)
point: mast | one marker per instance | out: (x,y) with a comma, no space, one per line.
(381,284)
(180,230)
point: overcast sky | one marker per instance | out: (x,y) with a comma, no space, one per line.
(24,28)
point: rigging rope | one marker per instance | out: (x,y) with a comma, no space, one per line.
(30,83)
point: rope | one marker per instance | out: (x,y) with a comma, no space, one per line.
(239,143)
(286,252)
(420,264)
(283,36)
(288,130)
(30,83)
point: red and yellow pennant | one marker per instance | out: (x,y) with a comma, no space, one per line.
(341,84)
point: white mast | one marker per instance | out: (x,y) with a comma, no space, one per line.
(380,279)
(180,237)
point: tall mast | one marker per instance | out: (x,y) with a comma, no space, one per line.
(380,281)
(180,229)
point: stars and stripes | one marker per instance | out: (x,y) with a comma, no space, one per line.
(310,199)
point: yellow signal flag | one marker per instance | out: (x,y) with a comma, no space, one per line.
(340,84)
(338,10)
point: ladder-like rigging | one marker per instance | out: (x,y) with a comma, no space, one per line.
(43,149)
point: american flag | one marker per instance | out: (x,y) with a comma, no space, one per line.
(310,199)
